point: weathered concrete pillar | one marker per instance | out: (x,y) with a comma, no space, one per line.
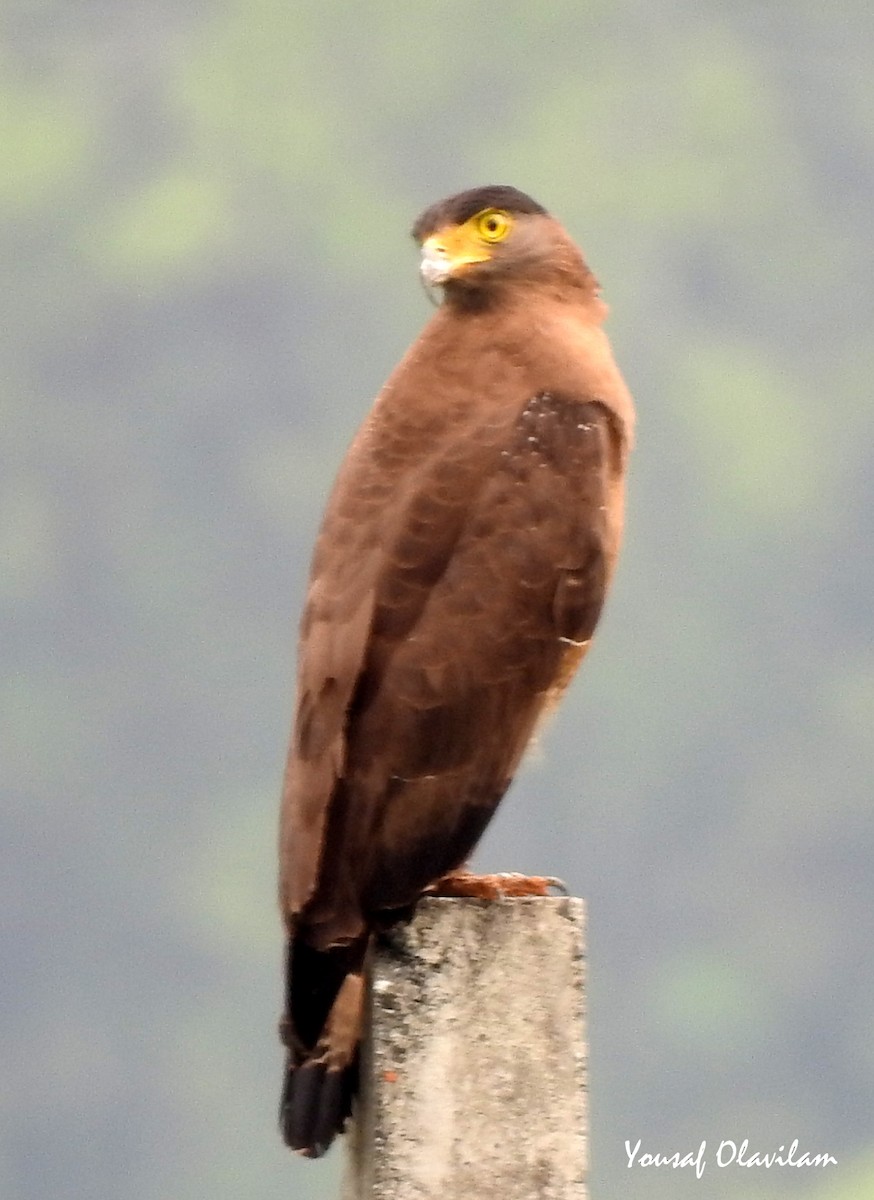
(473,1080)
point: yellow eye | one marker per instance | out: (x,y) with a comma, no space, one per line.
(493,224)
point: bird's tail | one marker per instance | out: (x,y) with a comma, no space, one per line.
(321,1030)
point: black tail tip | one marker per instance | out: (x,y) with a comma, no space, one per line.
(316,1103)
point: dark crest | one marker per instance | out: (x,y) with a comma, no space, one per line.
(455,210)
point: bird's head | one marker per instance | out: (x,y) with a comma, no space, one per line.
(477,241)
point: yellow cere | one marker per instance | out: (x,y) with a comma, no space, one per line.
(455,247)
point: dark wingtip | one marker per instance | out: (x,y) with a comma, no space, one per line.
(315,1105)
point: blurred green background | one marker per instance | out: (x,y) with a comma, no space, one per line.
(207,275)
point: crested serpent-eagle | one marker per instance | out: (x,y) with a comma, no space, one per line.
(457,579)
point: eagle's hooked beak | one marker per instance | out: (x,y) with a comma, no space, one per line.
(448,250)
(436,266)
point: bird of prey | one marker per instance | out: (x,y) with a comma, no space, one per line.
(457,579)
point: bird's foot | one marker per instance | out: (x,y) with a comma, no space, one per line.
(494,887)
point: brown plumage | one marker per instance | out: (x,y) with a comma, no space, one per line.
(457,580)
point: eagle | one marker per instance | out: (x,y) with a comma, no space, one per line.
(456,582)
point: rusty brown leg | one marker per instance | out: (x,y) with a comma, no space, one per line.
(464,883)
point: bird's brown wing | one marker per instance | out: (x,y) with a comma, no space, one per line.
(449,606)
(469,617)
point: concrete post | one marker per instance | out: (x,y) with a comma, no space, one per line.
(473,1077)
